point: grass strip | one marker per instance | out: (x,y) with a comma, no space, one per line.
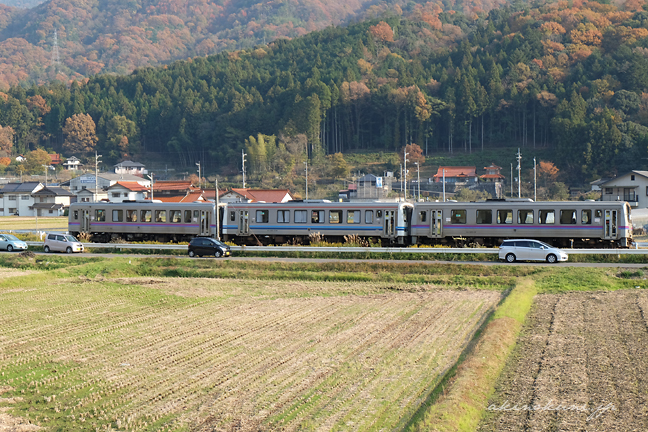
(462,398)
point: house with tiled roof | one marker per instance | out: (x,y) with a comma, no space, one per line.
(264,195)
(51,201)
(79,185)
(127,191)
(492,174)
(631,187)
(72,163)
(55,159)
(458,174)
(17,199)
(130,167)
(188,198)
(210,194)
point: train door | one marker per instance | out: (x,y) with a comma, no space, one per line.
(436,219)
(85,221)
(244,222)
(389,230)
(204,222)
(610,225)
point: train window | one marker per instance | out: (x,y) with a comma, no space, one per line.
(586,217)
(335,216)
(458,216)
(196,213)
(146,216)
(378,214)
(568,217)
(369,216)
(175,216)
(504,216)
(262,216)
(484,216)
(317,216)
(118,216)
(546,217)
(100,215)
(353,216)
(301,216)
(423,216)
(160,215)
(597,216)
(283,216)
(525,217)
(232,216)
(131,215)
(76,214)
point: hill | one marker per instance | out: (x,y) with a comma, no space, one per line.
(113,36)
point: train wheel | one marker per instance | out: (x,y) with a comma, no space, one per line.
(551,258)
(510,258)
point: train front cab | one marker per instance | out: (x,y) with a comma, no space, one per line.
(617,225)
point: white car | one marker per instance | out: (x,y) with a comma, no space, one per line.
(530,250)
(61,243)
(11,243)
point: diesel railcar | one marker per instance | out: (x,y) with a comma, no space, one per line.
(142,221)
(561,223)
(386,223)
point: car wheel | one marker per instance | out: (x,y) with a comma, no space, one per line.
(192,253)
(9,248)
(46,249)
(510,258)
(551,258)
(218,253)
(68,250)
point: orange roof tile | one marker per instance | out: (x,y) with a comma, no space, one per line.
(190,197)
(460,171)
(173,185)
(131,186)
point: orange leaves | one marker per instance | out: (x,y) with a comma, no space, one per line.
(382,32)
(365,66)
(5,161)
(547,99)
(586,36)
(552,28)
(551,47)
(39,104)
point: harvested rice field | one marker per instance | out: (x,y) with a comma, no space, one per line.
(179,354)
(581,364)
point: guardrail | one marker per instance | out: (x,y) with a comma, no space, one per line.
(350,249)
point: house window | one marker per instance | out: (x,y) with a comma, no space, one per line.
(116,194)
(301,216)
(608,191)
(118,216)
(42,199)
(262,216)
(100,215)
(283,216)
(632,177)
(335,216)
(12,210)
(51,211)
(12,197)
(369,217)
(458,217)
(85,199)
(131,215)
(26,197)
(353,216)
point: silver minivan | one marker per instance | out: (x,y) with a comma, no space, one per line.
(62,243)
(530,250)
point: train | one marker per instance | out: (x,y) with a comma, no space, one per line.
(605,224)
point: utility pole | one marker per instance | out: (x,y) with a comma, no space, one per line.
(405,171)
(150,176)
(535,190)
(418,179)
(96,176)
(217,211)
(46,167)
(199,176)
(243,154)
(444,185)
(519,169)
(511,180)
(306,163)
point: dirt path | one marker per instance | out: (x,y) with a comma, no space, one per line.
(581,365)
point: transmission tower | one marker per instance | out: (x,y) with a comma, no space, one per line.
(56,60)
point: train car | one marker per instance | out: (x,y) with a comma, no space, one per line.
(142,220)
(386,223)
(564,224)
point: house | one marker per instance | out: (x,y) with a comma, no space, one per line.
(127,191)
(130,167)
(51,201)
(210,194)
(91,195)
(17,199)
(55,159)
(631,187)
(188,198)
(493,174)
(596,184)
(103,182)
(173,188)
(72,164)
(264,195)
(20,158)
(460,175)
(368,186)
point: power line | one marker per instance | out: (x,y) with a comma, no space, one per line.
(56,59)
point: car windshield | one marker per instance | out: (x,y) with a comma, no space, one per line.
(11,237)
(70,238)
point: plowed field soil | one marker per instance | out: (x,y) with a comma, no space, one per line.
(581,364)
(201,354)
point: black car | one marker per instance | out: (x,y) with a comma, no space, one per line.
(208,246)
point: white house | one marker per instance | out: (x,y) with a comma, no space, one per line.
(51,201)
(17,199)
(104,181)
(127,191)
(130,167)
(72,164)
(90,195)
(631,187)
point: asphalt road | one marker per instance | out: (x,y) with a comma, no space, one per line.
(324,260)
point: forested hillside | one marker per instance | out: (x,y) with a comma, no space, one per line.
(116,36)
(565,76)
